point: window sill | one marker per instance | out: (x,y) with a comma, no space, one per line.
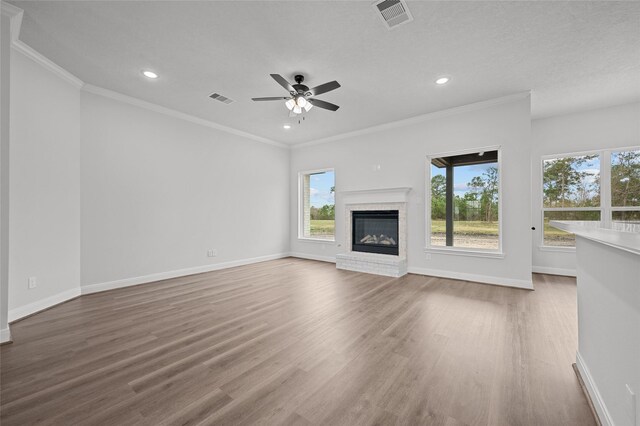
(557,249)
(316,240)
(463,252)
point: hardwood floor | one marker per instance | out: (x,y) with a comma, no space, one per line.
(297,342)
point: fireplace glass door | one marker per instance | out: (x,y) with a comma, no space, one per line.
(375,231)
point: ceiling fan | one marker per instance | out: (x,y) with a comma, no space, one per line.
(300,97)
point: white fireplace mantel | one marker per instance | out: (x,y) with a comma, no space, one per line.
(375,199)
(375,196)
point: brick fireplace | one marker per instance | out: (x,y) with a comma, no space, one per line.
(378,248)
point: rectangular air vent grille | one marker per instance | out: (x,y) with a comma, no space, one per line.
(220,98)
(393,12)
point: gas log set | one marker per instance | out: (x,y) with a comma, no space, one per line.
(381,239)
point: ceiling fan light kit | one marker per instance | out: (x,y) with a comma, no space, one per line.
(300,100)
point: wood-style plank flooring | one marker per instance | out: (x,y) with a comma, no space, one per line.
(297,342)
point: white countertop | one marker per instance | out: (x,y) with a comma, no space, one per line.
(627,241)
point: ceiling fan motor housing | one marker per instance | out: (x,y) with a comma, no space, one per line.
(299,87)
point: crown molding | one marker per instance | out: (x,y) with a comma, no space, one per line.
(176,114)
(47,63)
(418,119)
(15,15)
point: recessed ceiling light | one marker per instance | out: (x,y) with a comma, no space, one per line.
(149,74)
(287,126)
(442,80)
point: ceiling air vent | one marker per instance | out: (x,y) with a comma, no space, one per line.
(219,97)
(393,12)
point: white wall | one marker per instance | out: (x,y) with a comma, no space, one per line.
(401,152)
(5,56)
(158,192)
(604,128)
(609,330)
(44,186)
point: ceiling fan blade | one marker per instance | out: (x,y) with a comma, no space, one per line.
(282,82)
(323,104)
(273,98)
(324,88)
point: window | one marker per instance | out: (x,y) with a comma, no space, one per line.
(317,205)
(625,190)
(598,188)
(571,191)
(464,197)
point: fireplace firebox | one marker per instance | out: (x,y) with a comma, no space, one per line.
(375,231)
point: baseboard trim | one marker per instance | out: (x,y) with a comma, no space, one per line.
(554,271)
(5,336)
(330,259)
(586,394)
(483,279)
(41,305)
(593,394)
(128,282)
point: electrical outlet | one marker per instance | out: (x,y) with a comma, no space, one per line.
(428,256)
(212,253)
(32,282)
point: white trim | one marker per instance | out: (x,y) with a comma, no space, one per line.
(461,251)
(625,209)
(402,190)
(127,282)
(176,114)
(418,119)
(317,171)
(5,335)
(375,196)
(15,15)
(39,305)
(572,209)
(568,154)
(316,240)
(605,190)
(427,205)
(46,63)
(330,259)
(554,271)
(558,249)
(483,279)
(594,394)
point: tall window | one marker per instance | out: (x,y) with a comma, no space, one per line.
(625,190)
(598,189)
(317,205)
(465,200)
(571,191)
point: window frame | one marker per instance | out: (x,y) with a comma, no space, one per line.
(462,251)
(301,175)
(606,209)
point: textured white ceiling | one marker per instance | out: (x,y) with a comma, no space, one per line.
(572,55)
